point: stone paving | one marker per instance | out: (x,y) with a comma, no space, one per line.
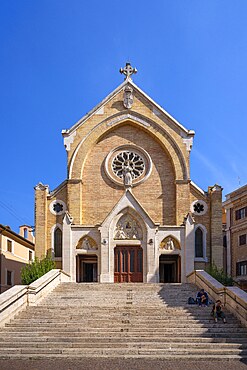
(119,364)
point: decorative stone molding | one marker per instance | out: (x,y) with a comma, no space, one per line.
(42,187)
(126,117)
(189,143)
(57,207)
(68,140)
(131,160)
(199,207)
(217,187)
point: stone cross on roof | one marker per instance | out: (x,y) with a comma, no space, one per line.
(128,71)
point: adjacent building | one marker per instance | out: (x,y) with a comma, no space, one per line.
(16,250)
(236,235)
(128,210)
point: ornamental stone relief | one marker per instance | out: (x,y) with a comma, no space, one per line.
(128,228)
(87,243)
(169,244)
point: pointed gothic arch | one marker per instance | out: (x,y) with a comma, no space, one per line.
(200,242)
(158,132)
(57,242)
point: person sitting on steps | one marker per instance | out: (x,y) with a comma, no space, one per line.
(202,298)
(217,311)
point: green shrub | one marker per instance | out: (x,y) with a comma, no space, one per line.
(36,269)
(220,275)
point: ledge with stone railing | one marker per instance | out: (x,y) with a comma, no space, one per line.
(19,297)
(234,299)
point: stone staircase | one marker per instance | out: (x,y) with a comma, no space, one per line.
(121,320)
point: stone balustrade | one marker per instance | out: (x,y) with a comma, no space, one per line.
(19,297)
(234,299)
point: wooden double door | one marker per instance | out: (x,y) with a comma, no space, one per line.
(128,264)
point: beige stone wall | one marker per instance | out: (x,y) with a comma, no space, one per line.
(156,194)
(144,108)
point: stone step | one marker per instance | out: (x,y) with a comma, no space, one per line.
(164,331)
(166,357)
(123,345)
(123,351)
(116,324)
(123,333)
(119,338)
(121,320)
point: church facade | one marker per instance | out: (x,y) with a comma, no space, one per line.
(128,210)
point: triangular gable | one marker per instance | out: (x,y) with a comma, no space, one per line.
(128,200)
(157,109)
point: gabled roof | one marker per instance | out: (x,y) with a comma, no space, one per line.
(157,107)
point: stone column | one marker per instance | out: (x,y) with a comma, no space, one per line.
(41,192)
(215,193)
(105,256)
(67,252)
(151,258)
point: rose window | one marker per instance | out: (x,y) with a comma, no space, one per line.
(128,160)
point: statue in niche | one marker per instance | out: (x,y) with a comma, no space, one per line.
(170,245)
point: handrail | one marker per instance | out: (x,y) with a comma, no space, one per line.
(234,298)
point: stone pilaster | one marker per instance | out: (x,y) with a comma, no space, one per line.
(41,192)
(74,196)
(182,200)
(215,193)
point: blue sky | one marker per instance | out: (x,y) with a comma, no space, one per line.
(59,58)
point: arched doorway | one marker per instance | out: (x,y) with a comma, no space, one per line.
(170,268)
(128,264)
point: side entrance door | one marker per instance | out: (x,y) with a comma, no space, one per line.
(128,264)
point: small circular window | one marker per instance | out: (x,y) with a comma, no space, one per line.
(57,207)
(199,207)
